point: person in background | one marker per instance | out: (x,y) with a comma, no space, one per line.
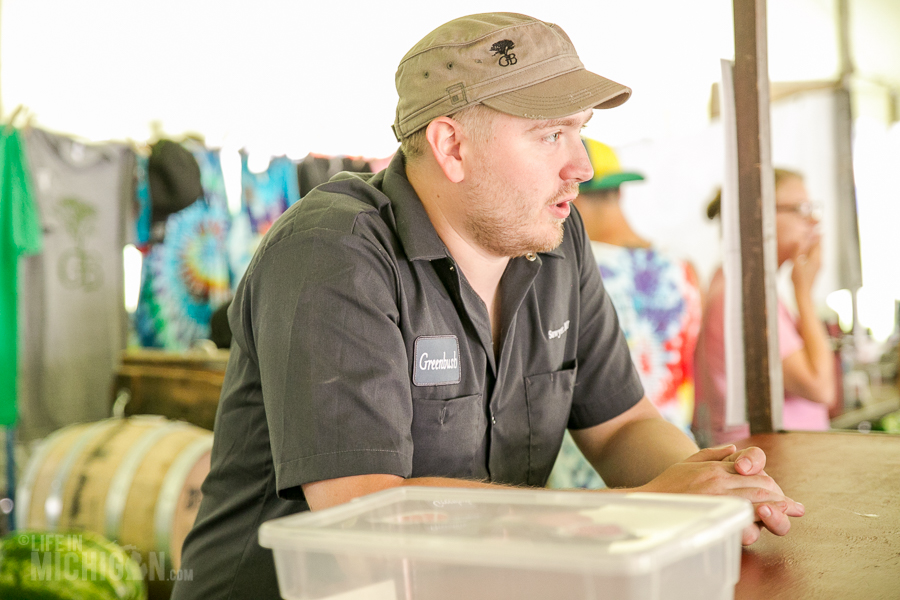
(807,359)
(657,300)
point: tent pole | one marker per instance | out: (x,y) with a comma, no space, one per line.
(756,194)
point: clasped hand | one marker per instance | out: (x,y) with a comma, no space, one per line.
(727,471)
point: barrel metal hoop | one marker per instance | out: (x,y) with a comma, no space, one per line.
(53,505)
(171,488)
(120,486)
(23,494)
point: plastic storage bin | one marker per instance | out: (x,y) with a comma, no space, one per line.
(439,544)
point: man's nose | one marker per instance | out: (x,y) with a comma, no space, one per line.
(580,167)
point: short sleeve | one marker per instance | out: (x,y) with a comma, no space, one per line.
(320,309)
(607,383)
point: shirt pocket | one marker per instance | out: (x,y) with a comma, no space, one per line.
(447,436)
(549,400)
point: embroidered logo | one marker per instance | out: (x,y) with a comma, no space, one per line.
(503,47)
(437,361)
(556,333)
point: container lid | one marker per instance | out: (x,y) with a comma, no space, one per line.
(560,531)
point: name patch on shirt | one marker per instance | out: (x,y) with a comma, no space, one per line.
(437,360)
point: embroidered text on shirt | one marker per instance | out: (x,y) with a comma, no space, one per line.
(439,364)
(555,333)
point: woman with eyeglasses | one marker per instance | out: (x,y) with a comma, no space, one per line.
(807,359)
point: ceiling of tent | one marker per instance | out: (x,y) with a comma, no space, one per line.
(291,77)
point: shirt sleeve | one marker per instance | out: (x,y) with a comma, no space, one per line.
(319,315)
(27,233)
(607,383)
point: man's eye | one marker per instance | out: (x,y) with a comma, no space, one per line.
(553,137)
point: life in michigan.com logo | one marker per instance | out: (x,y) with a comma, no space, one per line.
(73,557)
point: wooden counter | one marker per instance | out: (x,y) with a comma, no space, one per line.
(848,543)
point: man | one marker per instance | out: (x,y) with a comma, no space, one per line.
(441,322)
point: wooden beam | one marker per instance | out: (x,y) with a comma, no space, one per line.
(756,193)
(778,90)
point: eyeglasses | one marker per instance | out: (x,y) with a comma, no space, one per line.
(806,210)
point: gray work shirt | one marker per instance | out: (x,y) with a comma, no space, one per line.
(359,347)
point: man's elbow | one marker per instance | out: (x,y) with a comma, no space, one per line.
(331,492)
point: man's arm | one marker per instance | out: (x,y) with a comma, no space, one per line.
(664,446)
(640,451)
(635,447)
(325,494)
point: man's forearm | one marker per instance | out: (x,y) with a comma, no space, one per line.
(640,451)
(328,493)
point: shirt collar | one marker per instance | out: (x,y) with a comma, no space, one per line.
(414,228)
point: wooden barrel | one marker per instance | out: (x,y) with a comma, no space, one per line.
(134,480)
(177,385)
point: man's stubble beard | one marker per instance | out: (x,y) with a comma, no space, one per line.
(509,228)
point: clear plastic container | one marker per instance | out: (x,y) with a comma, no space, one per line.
(416,543)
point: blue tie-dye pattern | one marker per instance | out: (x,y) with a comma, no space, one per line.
(656,299)
(185,277)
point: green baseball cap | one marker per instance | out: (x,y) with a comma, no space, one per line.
(512,63)
(608,174)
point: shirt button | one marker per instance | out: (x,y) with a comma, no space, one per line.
(531,256)
(493,420)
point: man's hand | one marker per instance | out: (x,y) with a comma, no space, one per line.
(726,471)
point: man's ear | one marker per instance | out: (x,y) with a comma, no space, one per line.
(445,136)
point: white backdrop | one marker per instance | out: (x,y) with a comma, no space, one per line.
(683,173)
(294,76)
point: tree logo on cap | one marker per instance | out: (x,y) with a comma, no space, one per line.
(503,47)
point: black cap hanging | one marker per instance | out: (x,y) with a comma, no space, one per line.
(174,177)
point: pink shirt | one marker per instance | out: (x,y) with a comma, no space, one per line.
(709,376)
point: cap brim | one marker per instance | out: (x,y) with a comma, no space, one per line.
(561,96)
(608,182)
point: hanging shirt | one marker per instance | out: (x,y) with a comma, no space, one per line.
(144,215)
(185,277)
(264,197)
(20,234)
(315,170)
(73,326)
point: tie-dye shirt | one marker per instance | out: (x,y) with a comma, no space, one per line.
(657,300)
(185,277)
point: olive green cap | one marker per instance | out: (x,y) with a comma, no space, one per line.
(512,63)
